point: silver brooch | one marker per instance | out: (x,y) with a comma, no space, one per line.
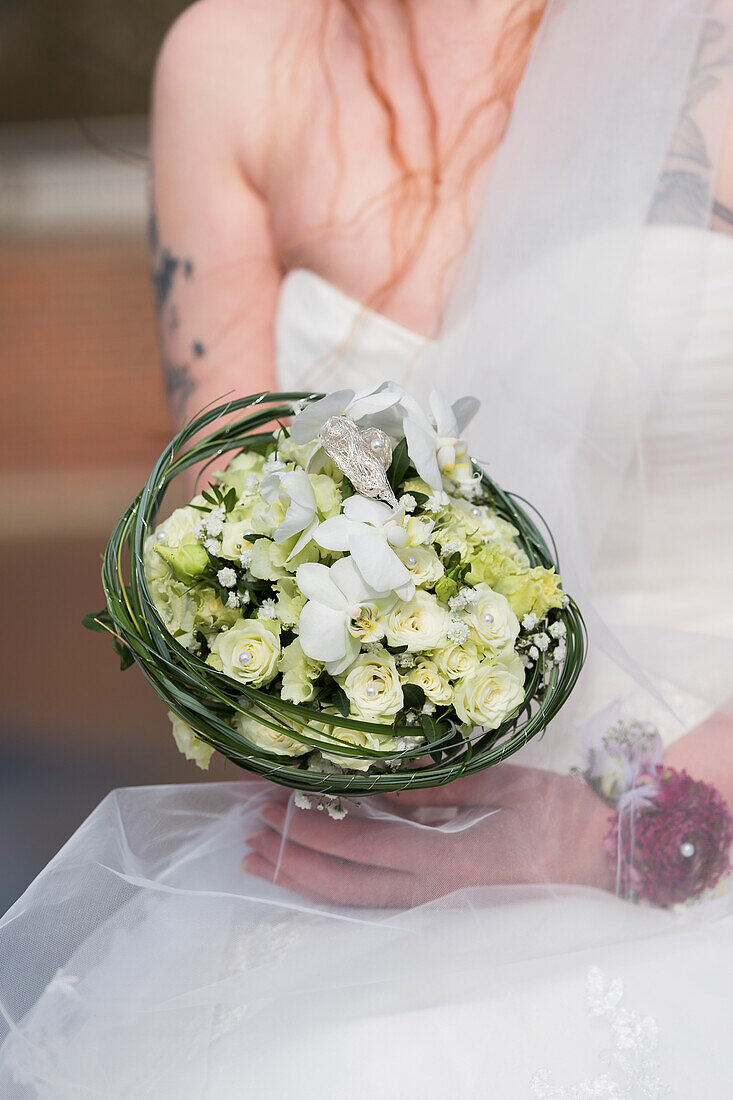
(364,456)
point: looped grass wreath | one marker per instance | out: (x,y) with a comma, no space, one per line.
(467,659)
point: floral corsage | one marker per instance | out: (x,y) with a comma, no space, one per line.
(670,836)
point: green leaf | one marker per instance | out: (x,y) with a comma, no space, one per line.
(124,654)
(399,465)
(433,728)
(420,498)
(340,700)
(414,696)
(98,621)
(230,499)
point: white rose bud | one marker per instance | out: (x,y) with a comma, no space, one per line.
(269,740)
(457,661)
(424,564)
(490,696)
(492,620)
(192,747)
(434,683)
(249,651)
(419,624)
(359,739)
(373,686)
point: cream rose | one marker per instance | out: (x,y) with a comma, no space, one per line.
(265,738)
(424,564)
(492,620)
(372,684)
(490,696)
(192,747)
(434,683)
(179,528)
(249,651)
(361,740)
(299,674)
(457,660)
(419,624)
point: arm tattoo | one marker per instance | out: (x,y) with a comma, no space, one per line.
(683,194)
(166,270)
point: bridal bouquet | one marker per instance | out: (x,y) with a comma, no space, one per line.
(351,605)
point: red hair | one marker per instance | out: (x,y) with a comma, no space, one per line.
(507,65)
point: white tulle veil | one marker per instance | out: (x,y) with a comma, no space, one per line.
(144,934)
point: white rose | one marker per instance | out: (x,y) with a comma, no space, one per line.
(177,608)
(265,738)
(192,747)
(233,541)
(419,624)
(492,620)
(360,739)
(489,697)
(457,660)
(424,564)
(249,651)
(434,683)
(299,674)
(373,686)
(178,529)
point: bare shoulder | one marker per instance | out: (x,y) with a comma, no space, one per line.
(214,70)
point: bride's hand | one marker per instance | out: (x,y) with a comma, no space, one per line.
(508,825)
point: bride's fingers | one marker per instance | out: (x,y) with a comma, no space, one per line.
(379,843)
(324,878)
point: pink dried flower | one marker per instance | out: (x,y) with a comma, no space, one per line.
(675,848)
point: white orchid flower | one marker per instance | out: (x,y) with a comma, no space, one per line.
(292,507)
(371,531)
(435,447)
(342,611)
(372,403)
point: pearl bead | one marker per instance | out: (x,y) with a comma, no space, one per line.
(372,691)
(687,849)
(488,618)
(411,561)
(245,657)
(377,445)
(161,536)
(475,511)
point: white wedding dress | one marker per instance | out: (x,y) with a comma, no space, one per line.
(179,976)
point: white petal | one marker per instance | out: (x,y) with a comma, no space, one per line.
(270,487)
(304,539)
(364,510)
(297,518)
(421,449)
(322,632)
(333,534)
(307,424)
(406,591)
(464,410)
(297,485)
(371,404)
(351,583)
(316,583)
(445,421)
(352,651)
(378,564)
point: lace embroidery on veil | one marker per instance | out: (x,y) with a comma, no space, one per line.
(632,1072)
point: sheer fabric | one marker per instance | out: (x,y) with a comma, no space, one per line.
(445,943)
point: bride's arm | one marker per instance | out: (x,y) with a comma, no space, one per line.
(215,270)
(707,752)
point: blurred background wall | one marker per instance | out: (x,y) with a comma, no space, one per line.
(82,415)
